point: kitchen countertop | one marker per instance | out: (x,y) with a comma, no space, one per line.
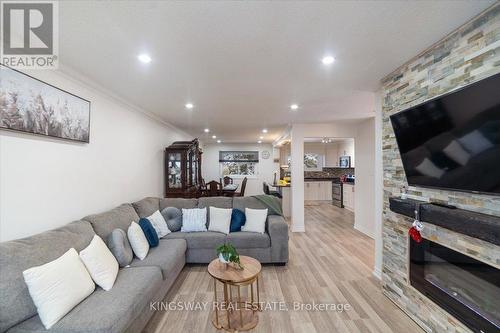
(319,179)
(280,185)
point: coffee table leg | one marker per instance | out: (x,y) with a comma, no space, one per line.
(227,306)
(258,296)
(216,304)
(239,304)
(251,296)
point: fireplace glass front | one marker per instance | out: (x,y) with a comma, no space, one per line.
(465,287)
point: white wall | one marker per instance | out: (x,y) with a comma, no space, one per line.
(379,186)
(211,171)
(297,173)
(46,183)
(364,211)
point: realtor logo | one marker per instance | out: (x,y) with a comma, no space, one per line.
(29,34)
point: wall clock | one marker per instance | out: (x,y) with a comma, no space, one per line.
(265,154)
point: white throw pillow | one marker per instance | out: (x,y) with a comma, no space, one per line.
(58,286)
(159,223)
(255,220)
(100,263)
(220,219)
(194,219)
(138,241)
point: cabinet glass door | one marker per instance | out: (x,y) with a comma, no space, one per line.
(174,170)
(194,170)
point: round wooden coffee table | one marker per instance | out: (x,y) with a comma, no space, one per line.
(239,314)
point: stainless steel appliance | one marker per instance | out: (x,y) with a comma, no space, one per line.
(337,194)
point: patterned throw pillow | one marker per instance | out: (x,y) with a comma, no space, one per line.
(194,219)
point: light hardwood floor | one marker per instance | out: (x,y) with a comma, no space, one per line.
(330,263)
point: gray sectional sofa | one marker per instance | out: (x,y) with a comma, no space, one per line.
(126,307)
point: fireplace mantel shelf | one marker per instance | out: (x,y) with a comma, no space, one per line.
(473,224)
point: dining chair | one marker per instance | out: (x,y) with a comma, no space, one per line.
(241,193)
(203,188)
(214,189)
(227,180)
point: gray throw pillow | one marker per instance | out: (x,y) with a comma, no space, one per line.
(120,247)
(173,216)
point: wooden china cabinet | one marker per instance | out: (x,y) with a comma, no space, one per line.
(183,169)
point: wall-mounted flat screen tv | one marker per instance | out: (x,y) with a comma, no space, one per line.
(453,141)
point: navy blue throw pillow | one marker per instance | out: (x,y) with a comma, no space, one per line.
(149,232)
(238,219)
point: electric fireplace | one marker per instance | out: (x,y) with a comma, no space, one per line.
(465,287)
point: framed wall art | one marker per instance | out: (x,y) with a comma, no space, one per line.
(33,106)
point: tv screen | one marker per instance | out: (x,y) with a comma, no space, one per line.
(453,141)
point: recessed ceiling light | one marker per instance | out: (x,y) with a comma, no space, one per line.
(261,137)
(294,107)
(206,130)
(328,60)
(219,141)
(214,136)
(189,106)
(144,58)
(264,130)
(260,141)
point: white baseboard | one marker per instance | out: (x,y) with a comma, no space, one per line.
(363,230)
(298,229)
(377,273)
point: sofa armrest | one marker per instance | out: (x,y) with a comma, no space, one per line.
(278,232)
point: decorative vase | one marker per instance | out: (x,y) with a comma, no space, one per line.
(223,260)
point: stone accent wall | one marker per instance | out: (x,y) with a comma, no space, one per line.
(468,54)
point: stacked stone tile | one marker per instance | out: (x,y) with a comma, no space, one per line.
(469,54)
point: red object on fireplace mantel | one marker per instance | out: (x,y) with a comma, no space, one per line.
(415,234)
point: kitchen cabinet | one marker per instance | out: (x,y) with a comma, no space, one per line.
(348,196)
(318,190)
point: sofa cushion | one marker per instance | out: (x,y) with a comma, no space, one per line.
(248,202)
(146,206)
(169,256)
(199,240)
(18,255)
(249,240)
(218,202)
(149,231)
(120,247)
(119,217)
(237,220)
(173,216)
(178,202)
(194,219)
(106,311)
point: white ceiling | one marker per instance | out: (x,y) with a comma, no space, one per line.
(243,63)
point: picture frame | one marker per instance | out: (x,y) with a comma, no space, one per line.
(32,106)
(345,161)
